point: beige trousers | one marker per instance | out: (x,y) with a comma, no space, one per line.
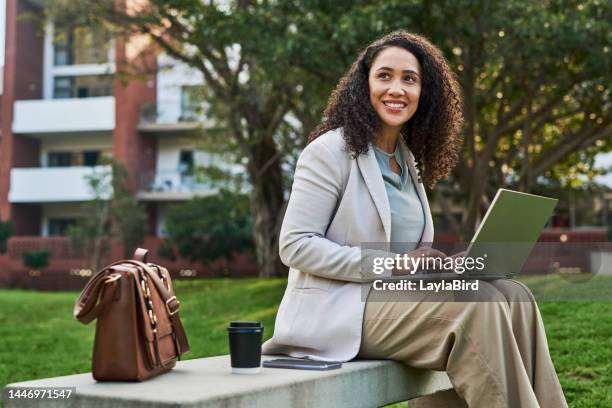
(493,348)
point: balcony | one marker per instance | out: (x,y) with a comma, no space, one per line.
(41,116)
(171,185)
(52,184)
(169,119)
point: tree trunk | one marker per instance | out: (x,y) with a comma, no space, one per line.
(473,205)
(445,206)
(267,207)
(101,238)
(525,173)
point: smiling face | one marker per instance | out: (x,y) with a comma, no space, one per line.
(395,86)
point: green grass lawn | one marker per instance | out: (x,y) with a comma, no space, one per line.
(39,337)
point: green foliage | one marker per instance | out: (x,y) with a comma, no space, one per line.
(36,259)
(579,343)
(128,217)
(91,234)
(113,213)
(219,177)
(209,228)
(6,231)
(535,78)
(165,251)
(34,351)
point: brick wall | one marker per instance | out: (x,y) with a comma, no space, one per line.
(68,271)
(136,151)
(23,76)
(4,270)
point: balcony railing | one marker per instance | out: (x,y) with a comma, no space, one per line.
(169,118)
(152,113)
(64,115)
(58,247)
(52,184)
(172,181)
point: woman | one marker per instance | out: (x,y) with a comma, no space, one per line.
(392,123)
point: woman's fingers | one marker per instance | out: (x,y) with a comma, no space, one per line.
(433,253)
(420,256)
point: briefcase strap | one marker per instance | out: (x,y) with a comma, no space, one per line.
(172,305)
(102,286)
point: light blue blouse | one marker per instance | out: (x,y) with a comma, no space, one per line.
(407,216)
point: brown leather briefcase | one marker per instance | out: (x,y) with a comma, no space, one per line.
(138,333)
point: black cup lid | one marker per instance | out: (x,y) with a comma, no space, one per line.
(245,324)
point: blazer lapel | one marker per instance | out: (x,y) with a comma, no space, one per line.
(427,236)
(373,178)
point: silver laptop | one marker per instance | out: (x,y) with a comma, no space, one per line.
(506,236)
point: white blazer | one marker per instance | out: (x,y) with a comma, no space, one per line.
(336,204)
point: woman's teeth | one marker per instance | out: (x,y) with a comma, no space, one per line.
(394,105)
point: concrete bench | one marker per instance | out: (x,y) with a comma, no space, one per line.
(208,382)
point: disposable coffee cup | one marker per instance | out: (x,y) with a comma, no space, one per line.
(245,346)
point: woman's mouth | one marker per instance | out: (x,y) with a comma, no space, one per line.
(394,106)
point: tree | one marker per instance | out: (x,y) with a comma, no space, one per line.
(128,217)
(535,81)
(209,228)
(113,213)
(265,94)
(237,51)
(91,235)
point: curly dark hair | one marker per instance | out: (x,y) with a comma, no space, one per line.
(433,133)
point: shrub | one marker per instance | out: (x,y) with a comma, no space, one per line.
(209,228)
(36,259)
(6,231)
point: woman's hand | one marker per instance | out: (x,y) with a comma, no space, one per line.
(421,252)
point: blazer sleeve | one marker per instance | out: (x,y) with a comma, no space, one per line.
(317,189)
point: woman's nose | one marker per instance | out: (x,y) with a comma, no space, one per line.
(396,89)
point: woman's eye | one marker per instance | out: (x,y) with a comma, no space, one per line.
(407,79)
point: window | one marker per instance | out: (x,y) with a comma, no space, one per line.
(59,159)
(59,226)
(82,86)
(191,106)
(66,159)
(62,87)
(83,45)
(91,158)
(186,161)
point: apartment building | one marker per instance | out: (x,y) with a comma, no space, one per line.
(64,108)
